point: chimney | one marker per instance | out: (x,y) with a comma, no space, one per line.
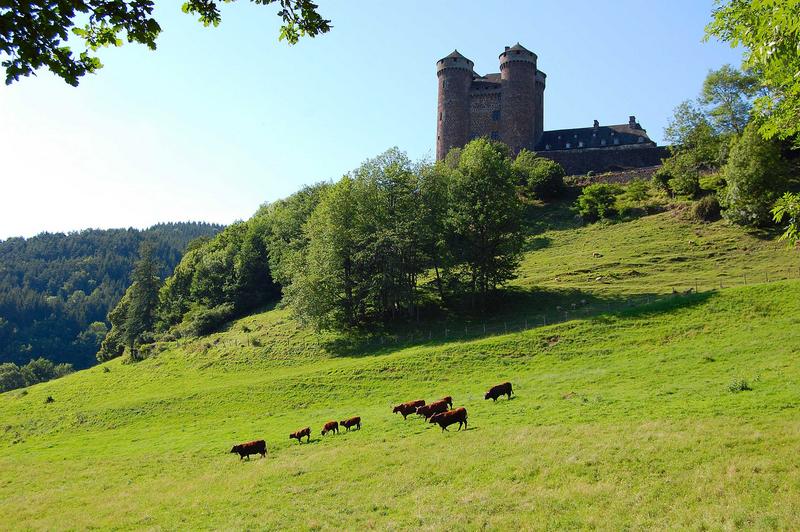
(632,122)
(596,124)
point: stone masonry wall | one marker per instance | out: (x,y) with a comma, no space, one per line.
(607,159)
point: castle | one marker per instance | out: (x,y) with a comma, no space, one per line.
(509,106)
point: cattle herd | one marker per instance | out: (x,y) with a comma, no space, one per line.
(439,412)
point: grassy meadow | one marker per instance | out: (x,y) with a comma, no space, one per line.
(684,413)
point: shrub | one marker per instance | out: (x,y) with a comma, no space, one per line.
(660,180)
(541,178)
(707,209)
(209,320)
(597,201)
(756,176)
(739,385)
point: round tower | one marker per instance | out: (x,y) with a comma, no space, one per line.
(541,79)
(519,101)
(452,124)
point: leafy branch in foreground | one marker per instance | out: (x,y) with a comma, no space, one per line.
(788,208)
(34,34)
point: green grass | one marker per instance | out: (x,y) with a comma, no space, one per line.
(628,419)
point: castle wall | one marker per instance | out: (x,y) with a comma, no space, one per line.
(485,114)
(607,159)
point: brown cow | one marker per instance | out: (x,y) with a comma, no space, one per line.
(251,447)
(408,408)
(496,391)
(306,432)
(434,408)
(330,426)
(448,400)
(352,422)
(445,419)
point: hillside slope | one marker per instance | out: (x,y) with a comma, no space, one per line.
(625,418)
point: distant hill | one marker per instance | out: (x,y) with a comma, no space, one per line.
(54,286)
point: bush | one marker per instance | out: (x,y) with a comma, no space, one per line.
(739,385)
(660,180)
(598,201)
(707,209)
(207,321)
(541,178)
(756,176)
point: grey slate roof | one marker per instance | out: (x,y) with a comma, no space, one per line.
(594,137)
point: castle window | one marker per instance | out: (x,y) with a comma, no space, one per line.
(616,140)
(580,144)
(495,135)
(546,146)
(495,115)
(569,145)
(603,142)
(440,117)
(641,139)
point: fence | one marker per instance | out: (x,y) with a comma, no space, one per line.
(572,310)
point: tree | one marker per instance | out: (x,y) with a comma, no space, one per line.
(484,218)
(540,178)
(756,175)
(11,377)
(770,32)
(728,93)
(597,201)
(787,208)
(33,33)
(695,147)
(143,303)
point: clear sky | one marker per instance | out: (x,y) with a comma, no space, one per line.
(220,120)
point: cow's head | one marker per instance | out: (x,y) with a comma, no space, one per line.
(396,409)
(235,449)
(434,418)
(487,395)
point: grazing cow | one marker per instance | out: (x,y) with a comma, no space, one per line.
(303,433)
(352,422)
(436,407)
(330,426)
(251,447)
(408,408)
(445,419)
(496,391)
(448,400)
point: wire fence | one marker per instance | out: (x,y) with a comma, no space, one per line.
(572,310)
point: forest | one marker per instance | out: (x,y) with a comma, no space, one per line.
(56,289)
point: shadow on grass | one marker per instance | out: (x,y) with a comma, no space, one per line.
(517,310)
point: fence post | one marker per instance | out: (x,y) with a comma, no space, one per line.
(745,278)
(505,326)
(484,327)
(544,320)
(766,277)
(526,323)
(465,330)
(695,286)
(565,316)
(445,332)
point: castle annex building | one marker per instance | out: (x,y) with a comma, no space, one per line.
(509,106)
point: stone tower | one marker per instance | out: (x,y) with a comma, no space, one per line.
(518,108)
(455,79)
(506,106)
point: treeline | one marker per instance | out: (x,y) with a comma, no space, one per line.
(56,289)
(37,370)
(390,236)
(720,156)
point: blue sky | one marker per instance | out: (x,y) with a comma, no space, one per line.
(220,120)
